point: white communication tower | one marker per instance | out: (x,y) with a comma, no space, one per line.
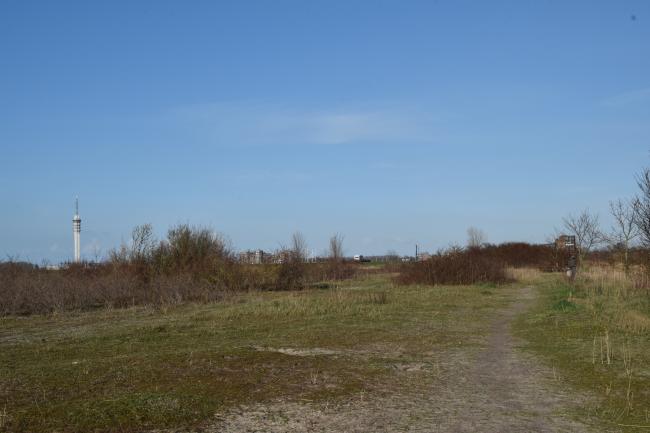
(76,232)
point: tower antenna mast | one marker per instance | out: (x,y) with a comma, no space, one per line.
(76,232)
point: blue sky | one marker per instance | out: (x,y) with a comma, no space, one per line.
(390,122)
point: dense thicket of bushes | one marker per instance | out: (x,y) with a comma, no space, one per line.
(481,264)
(456,266)
(521,254)
(86,286)
(191,264)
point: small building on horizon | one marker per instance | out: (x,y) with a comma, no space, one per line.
(254,257)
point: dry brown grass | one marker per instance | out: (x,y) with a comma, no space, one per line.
(524,275)
(634,321)
(622,297)
(612,280)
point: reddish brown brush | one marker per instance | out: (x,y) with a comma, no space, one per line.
(454,267)
(521,254)
(191,265)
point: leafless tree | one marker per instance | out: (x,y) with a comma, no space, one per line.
(292,272)
(453,248)
(625,228)
(642,210)
(299,246)
(475,237)
(586,228)
(143,242)
(336,247)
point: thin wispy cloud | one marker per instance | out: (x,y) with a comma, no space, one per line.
(633,97)
(251,124)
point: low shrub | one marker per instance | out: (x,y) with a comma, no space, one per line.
(291,274)
(525,255)
(455,266)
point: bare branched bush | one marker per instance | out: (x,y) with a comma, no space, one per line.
(299,246)
(290,275)
(523,255)
(292,270)
(642,212)
(455,267)
(193,249)
(625,228)
(337,268)
(336,247)
(475,237)
(143,243)
(586,228)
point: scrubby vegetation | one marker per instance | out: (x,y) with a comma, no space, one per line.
(195,264)
(192,264)
(454,267)
(481,264)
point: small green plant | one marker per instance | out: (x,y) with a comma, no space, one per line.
(564,306)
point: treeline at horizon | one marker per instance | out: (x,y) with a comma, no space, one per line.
(195,264)
(610,253)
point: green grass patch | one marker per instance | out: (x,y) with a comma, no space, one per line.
(564,306)
(142,368)
(581,335)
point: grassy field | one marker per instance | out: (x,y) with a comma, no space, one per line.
(155,368)
(596,336)
(141,368)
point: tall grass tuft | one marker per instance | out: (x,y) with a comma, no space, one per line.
(621,300)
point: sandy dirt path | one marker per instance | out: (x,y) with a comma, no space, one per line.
(508,391)
(496,388)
